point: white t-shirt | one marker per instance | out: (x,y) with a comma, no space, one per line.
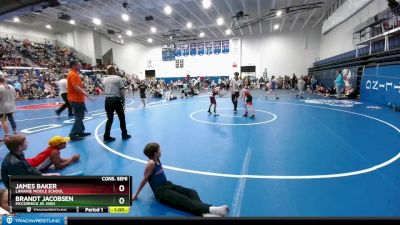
(235,85)
(7,99)
(62,86)
(301,84)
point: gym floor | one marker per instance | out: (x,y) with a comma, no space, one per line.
(299,157)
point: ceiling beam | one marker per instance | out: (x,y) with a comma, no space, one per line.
(165,21)
(230,8)
(259,14)
(245,9)
(117,26)
(183,19)
(208,16)
(139,25)
(319,20)
(284,18)
(198,19)
(170,26)
(49,13)
(120,26)
(88,17)
(271,24)
(308,19)
(220,15)
(44,19)
(297,17)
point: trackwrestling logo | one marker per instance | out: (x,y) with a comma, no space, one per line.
(26,221)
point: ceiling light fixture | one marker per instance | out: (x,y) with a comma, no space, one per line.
(129,33)
(279,13)
(189,25)
(276,26)
(206,4)
(48,26)
(96,21)
(220,21)
(125,17)
(72,22)
(16,20)
(202,34)
(153,29)
(228,32)
(167,10)
(150,40)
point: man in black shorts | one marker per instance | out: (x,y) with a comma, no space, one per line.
(235,85)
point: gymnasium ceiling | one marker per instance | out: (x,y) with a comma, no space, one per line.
(168,26)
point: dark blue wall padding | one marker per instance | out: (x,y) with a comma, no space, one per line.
(381,85)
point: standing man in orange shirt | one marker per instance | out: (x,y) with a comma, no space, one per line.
(76,96)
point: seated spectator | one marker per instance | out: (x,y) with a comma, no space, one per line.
(351,93)
(157,93)
(98,90)
(14,162)
(51,156)
(320,89)
(330,91)
(172,97)
(192,91)
(2,51)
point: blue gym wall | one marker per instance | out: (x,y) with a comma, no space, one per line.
(381,84)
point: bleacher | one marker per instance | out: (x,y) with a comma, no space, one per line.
(36,54)
(373,52)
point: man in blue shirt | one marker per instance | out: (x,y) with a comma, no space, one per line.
(339,84)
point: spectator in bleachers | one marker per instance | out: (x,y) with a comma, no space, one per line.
(49,90)
(2,51)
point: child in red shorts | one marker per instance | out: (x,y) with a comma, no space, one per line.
(214,92)
(248,103)
(51,156)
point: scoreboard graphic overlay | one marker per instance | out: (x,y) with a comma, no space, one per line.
(92,194)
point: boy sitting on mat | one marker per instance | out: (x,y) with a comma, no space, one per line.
(51,155)
(175,196)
